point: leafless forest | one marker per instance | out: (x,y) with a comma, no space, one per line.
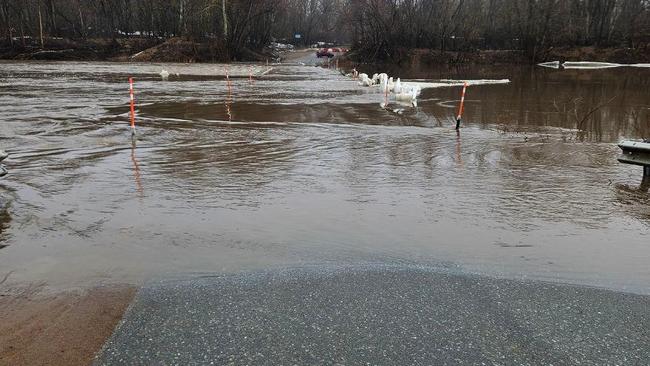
(376,28)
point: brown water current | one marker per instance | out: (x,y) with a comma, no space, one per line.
(302,167)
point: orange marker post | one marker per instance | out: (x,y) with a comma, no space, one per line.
(132,106)
(460,108)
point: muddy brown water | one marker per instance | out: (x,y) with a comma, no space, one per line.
(303,167)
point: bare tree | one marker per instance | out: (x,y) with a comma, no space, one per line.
(378,29)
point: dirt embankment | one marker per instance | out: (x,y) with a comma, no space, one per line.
(74,50)
(58,329)
(143,49)
(180,50)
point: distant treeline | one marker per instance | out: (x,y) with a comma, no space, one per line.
(384,28)
(379,29)
(235,23)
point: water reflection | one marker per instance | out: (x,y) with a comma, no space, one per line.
(645,185)
(588,105)
(459,157)
(229,99)
(641,188)
(635,199)
(136,169)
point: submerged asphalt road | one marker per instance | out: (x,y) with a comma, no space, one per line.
(385,315)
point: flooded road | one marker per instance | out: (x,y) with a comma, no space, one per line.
(302,166)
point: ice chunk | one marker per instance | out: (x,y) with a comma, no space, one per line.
(448,82)
(552,64)
(589,65)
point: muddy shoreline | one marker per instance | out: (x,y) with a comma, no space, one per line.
(143,49)
(40,327)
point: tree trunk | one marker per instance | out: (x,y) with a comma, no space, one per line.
(81,21)
(22,29)
(181,21)
(53,29)
(4,18)
(224,17)
(40,25)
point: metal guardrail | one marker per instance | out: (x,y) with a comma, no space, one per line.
(3,156)
(636,153)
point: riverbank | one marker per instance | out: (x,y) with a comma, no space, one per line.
(147,49)
(425,57)
(142,49)
(68,328)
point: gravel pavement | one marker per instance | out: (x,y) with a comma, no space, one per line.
(378,315)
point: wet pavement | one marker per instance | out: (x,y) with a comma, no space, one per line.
(302,166)
(378,314)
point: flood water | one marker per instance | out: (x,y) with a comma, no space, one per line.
(303,167)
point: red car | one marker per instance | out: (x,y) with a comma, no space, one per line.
(325,52)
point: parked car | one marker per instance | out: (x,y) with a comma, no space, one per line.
(325,52)
(282,46)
